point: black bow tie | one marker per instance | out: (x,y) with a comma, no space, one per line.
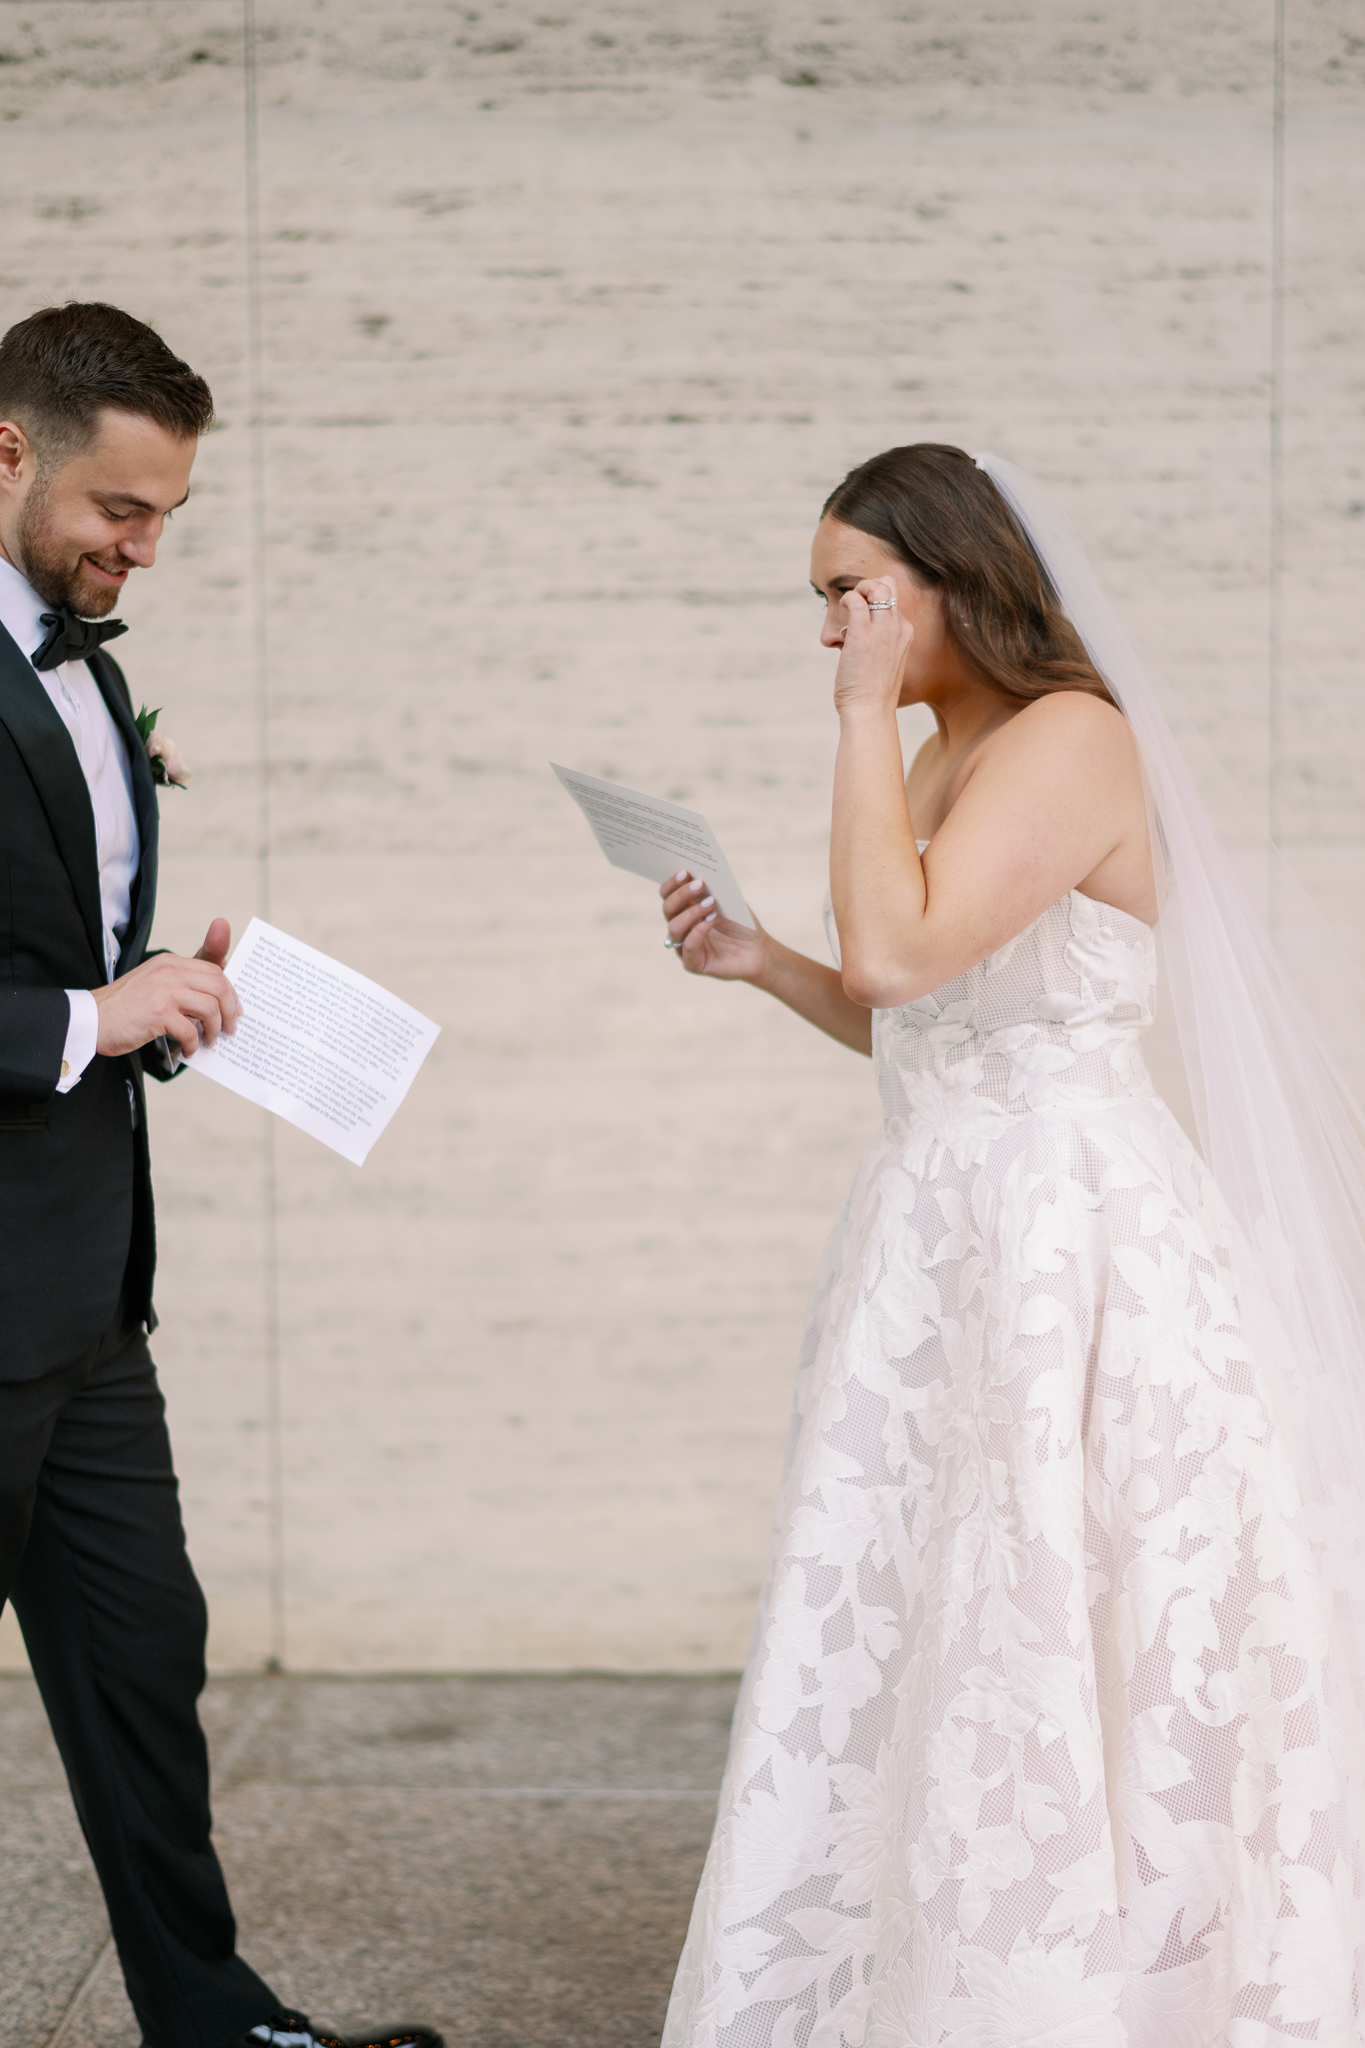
(72,639)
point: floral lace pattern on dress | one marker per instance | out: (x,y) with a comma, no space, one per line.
(1035,1749)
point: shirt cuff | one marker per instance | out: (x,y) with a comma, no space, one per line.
(82,1037)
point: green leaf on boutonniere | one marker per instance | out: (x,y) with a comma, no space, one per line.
(145,721)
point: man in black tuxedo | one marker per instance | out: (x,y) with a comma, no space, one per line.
(99,424)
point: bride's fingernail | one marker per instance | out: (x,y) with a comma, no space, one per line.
(709,920)
(697,885)
(706,902)
(681,875)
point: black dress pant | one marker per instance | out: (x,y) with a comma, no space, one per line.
(92,1555)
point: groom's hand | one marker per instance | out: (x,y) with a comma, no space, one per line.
(186,1001)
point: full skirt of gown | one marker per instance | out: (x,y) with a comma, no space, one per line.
(1036,1745)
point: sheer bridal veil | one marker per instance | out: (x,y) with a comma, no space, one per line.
(1277,1124)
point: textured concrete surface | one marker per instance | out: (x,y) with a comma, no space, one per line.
(511,1859)
(569,319)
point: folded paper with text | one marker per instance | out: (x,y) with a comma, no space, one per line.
(653,837)
(316,1042)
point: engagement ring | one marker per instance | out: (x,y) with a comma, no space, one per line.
(888,606)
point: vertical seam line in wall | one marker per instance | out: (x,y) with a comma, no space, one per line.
(261,660)
(1274,766)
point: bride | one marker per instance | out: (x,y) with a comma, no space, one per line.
(1049,1736)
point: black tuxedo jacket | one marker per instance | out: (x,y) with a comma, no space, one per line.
(75,1180)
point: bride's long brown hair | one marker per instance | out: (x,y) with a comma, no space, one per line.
(944,518)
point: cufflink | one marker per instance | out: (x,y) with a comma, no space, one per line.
(66,1068)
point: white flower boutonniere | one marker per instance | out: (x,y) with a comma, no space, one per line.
(168,764)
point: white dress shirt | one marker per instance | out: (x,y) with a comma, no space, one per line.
(103,757)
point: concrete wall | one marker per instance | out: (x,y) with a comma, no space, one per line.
(568,319)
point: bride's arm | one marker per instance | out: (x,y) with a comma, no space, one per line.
(714,945)
(1053,802)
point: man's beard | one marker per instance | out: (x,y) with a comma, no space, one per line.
(50,568)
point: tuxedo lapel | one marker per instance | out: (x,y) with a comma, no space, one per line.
(45,745)
(114,691)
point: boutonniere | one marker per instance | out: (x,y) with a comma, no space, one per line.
(168,766)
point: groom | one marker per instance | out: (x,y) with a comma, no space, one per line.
(99,425)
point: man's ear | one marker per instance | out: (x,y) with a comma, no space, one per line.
(16,455)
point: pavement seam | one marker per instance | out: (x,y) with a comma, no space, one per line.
(84,1993)
(265,1697)
(482,1791)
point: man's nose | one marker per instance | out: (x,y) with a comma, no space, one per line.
(140,548)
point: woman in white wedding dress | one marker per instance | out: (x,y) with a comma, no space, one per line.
(1046,1740)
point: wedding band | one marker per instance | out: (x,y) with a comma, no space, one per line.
(889,606)
(674,945)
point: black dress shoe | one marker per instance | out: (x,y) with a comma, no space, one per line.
(292,2030)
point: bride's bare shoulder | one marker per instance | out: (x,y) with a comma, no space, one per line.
(1072,721)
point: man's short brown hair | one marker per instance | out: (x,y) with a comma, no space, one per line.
(61,368)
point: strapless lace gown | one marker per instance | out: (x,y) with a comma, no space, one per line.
(1034,1748)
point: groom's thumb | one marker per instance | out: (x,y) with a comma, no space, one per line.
(217,940)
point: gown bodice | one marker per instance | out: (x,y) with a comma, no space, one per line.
(1052,1020)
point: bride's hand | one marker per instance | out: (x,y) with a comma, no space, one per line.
(875,641)
(711,944)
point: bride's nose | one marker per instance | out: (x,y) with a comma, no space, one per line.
(834,628)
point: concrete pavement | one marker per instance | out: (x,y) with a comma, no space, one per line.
(512,1859)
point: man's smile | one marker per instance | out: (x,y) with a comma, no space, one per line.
(112,578)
